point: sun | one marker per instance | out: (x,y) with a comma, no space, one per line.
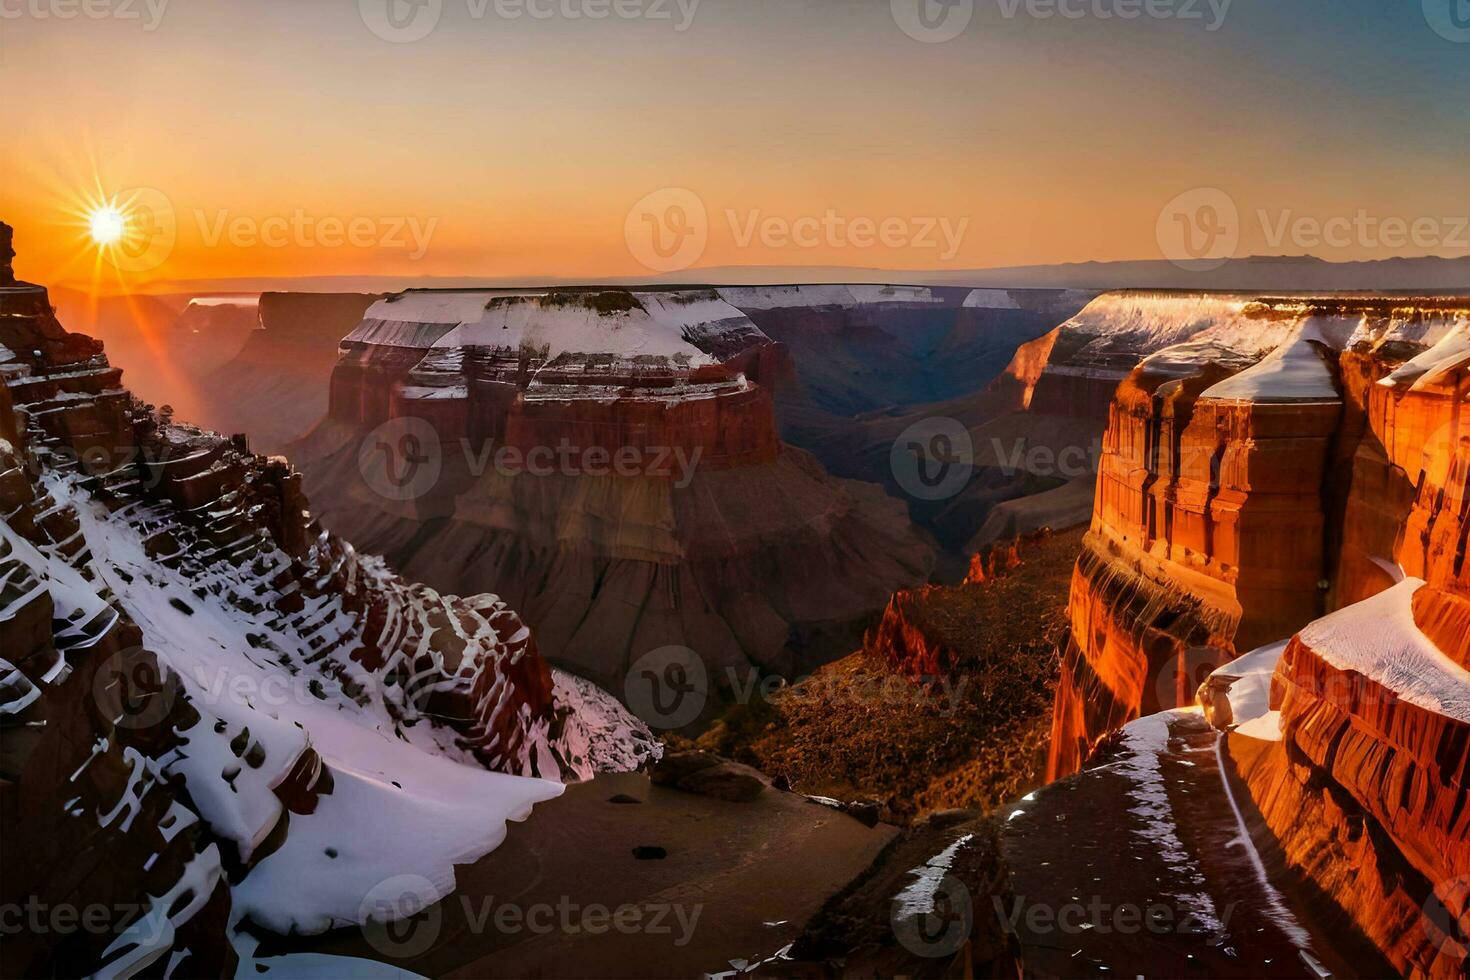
(106,225)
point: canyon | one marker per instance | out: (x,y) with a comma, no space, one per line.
(1280,523)
(716,536)
(200,687)
(1221,659)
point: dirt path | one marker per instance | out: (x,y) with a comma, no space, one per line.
(566,896)
(1139,868)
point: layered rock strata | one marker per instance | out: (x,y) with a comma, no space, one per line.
(1315,492)
(609,462)
(1222,490)
(201,690)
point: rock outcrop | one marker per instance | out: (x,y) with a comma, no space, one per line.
(1298,469)
(1221,492)
(276,386)
(201,691)
(609,462)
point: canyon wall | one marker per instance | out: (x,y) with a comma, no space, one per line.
(609,462)
(1297,469)
(1219,514)
(276,385)
(201,690)
(1364,779)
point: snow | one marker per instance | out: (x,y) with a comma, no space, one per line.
(668,324)
(309,966)
(1379,639)
(1275,906)
(440,813)
(917,897)
(1432,366)
(869,295)
(1139,323)
(1146,740)
(990,299)
(449,307)
(1186,360)
(786,297)
(152,934)
(790,297)
(1250,690)
(1295,372)
(1118,328)
(606,735)
(1409,325)
(369,831)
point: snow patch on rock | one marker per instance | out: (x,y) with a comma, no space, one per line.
(1379,639)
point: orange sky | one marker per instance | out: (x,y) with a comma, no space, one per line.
(517,147)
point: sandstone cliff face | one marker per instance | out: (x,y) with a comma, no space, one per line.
(715,537)
(1221,494)
(1368,786)
(1317,490)
(276,386)
(201,690)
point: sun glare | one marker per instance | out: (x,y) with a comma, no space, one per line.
(107,225)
